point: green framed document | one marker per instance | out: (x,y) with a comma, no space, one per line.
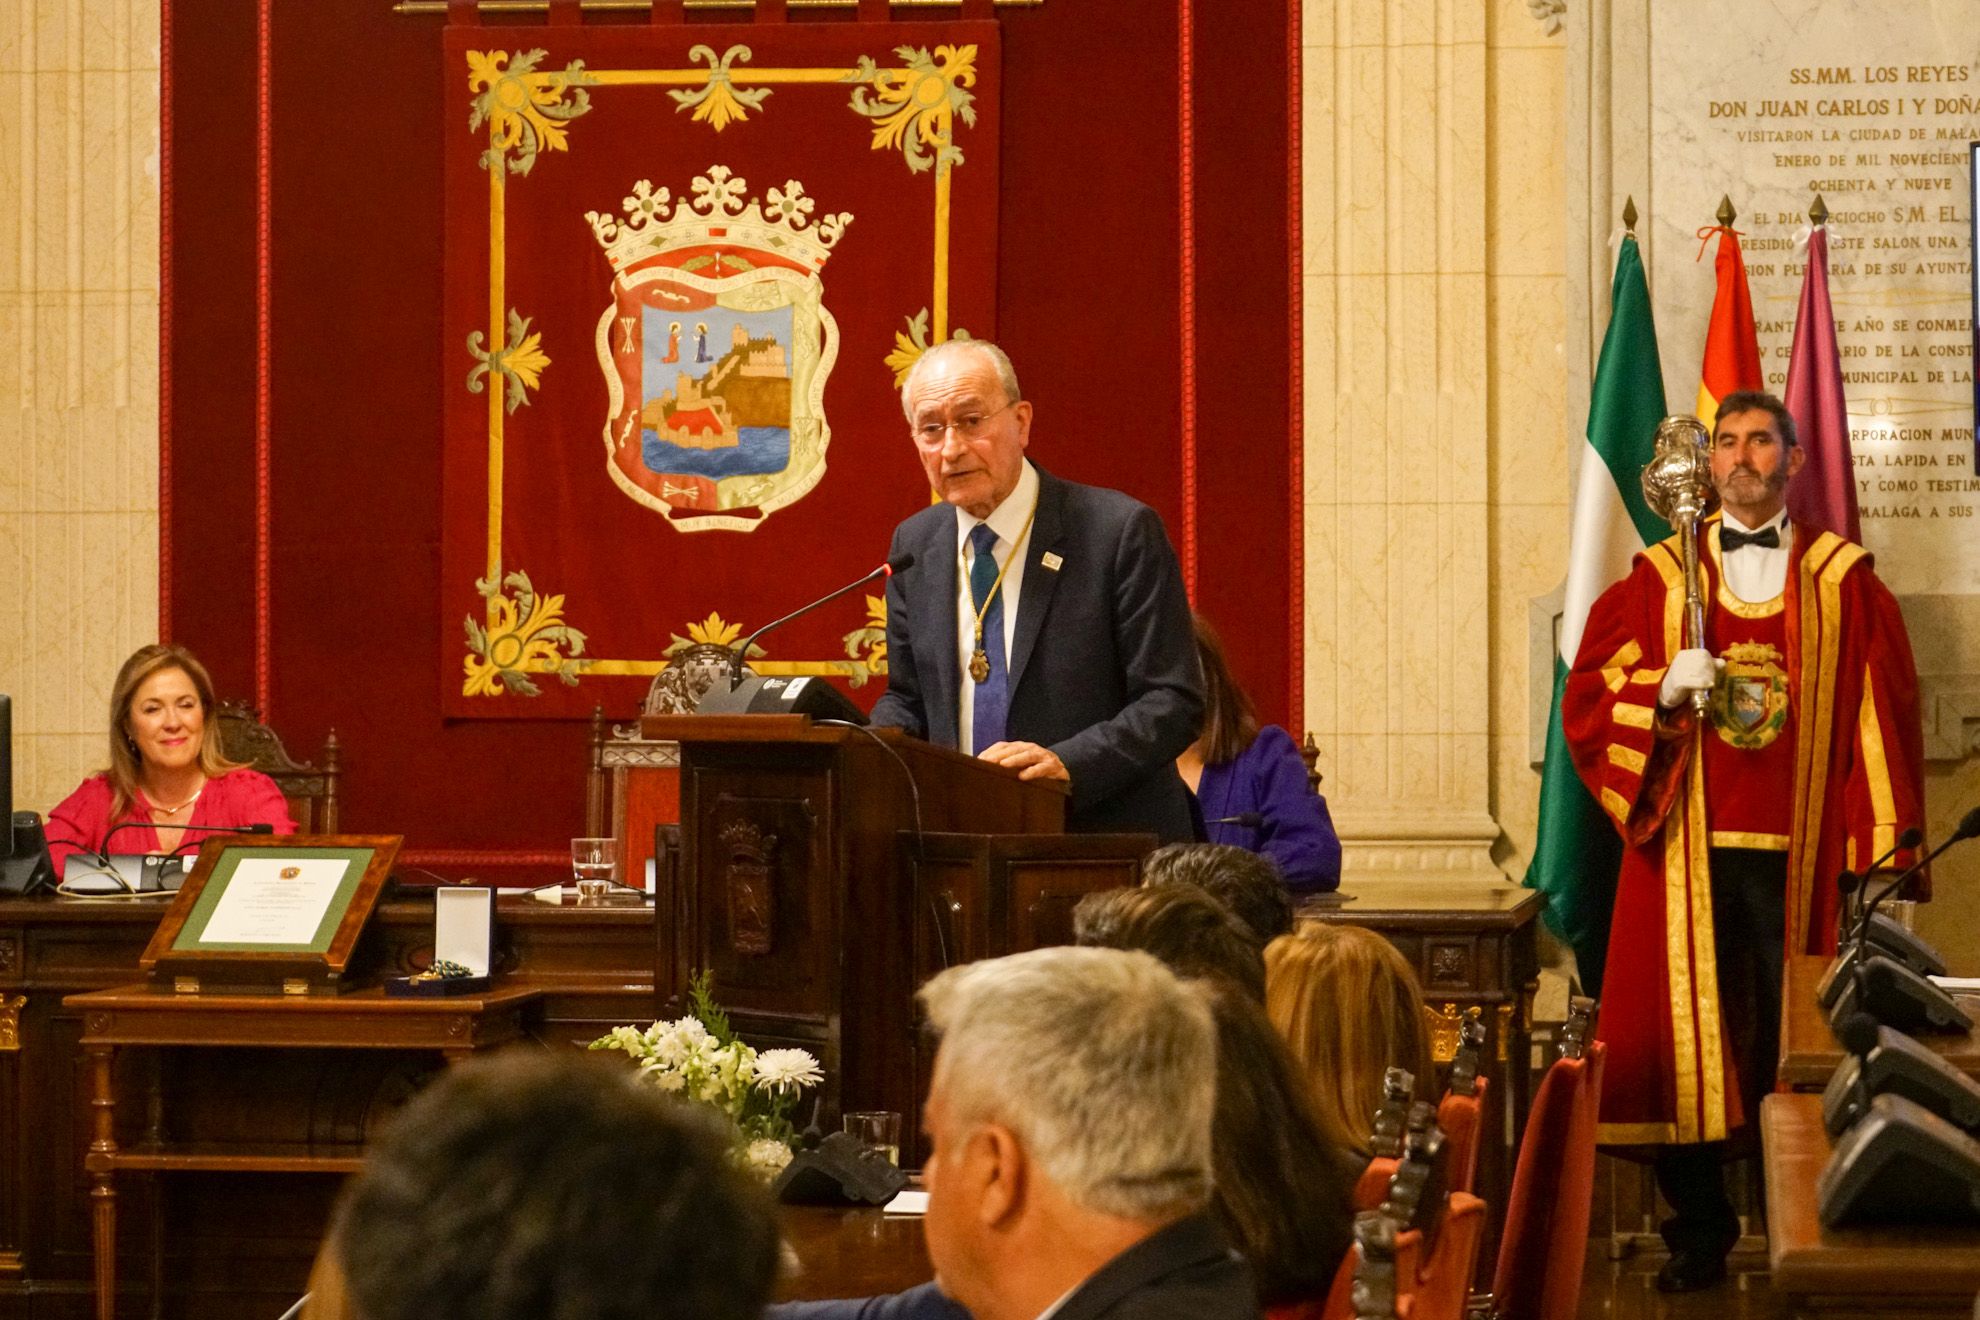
(259,915)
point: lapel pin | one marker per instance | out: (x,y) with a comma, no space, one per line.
(1051,560)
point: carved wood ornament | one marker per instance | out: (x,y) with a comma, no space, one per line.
(751,888)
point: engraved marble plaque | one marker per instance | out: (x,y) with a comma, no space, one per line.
(1870,103)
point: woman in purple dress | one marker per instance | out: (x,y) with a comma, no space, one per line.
(1252,785)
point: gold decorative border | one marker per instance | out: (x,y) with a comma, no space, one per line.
(913,109)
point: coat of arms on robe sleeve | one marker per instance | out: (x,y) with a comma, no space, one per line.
(716,347)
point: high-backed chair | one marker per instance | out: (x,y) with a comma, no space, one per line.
(1459,1113)
(1414,1257)
(311,790)
(1386,1142)
(1541,1253)
(1309,753)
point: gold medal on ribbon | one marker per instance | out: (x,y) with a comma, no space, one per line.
(979,665)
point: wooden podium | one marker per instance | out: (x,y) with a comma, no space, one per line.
(826,871)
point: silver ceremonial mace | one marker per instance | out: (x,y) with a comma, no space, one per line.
(1677,485)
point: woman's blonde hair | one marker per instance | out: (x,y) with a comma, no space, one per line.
(124,763)
(1349,1005)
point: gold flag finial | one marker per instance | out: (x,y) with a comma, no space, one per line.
(1818,214)
(1726,213)
(1629,214)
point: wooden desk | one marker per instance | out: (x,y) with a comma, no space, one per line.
(1472,945)
(851,1253)
(239,1248)
(1858,1272)
(1809,1049)
(142,1015)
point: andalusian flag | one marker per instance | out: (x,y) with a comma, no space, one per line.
(1577,855)
(1732,348)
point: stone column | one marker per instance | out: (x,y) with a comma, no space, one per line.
(79,395)
(1397,519)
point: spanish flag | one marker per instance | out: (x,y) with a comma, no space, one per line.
(1732,348)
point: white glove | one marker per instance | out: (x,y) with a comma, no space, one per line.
(1695,670)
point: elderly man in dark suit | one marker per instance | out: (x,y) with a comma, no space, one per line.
(1044,624)
(1070,1127)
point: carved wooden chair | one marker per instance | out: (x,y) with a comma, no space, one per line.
(1459,1113)
(311,790)
(1309,752)
(1414,1255)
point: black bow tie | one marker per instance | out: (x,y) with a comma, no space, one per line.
(1729,540)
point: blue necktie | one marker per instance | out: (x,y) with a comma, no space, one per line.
(993,695)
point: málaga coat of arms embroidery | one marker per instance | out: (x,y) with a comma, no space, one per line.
(716,348)
(1749,704)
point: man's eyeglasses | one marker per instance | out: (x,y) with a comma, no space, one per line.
(966,427)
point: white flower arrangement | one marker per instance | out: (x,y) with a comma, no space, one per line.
(700,1059)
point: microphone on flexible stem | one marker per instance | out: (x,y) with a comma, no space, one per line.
(1848,885)
(103,853)
(1857,884)
(898,564)
(1858,937)
(1249,819)
(1969,826)
(1859,1035)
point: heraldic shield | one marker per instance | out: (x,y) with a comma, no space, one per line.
(716,348)
(1749,704)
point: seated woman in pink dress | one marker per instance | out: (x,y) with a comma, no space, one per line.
(167,772)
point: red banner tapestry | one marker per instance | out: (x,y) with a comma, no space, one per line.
(687,267)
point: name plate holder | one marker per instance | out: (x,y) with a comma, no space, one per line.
(267,916)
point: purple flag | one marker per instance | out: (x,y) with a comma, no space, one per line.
(1825,491)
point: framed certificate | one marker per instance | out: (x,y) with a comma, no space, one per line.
(258,915)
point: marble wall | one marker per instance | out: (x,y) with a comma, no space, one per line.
(79,145)
(1436,439)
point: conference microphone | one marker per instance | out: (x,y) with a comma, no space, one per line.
(1251,820)
(1968,827)
(103,853)
(1855,883)
(898,564)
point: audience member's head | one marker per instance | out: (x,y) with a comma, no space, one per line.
(1068,1117)
(1247,883)
(1284,1194)
(552,1187)
(1180,924)
(1348,1004)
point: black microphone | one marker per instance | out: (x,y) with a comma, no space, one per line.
(1249,819)
(1854,884)
(1968,827)
(103,853)
(898,564)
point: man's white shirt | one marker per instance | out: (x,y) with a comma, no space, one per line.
(1010,521)
(1753,573)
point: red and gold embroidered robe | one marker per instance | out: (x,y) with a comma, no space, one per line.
(1858,774)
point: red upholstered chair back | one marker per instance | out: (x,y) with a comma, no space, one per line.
(1538,1276)
(1458,1115)
(1443,1283)
(1339,1304)
(1373,1188)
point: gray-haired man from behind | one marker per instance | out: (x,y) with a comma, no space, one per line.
(1069,1120)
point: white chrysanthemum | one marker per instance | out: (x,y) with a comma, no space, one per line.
(766,1158)
(787,1070)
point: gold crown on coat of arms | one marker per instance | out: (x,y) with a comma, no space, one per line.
(718,211)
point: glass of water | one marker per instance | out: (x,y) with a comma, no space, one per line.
(594,864)
(877,1130)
